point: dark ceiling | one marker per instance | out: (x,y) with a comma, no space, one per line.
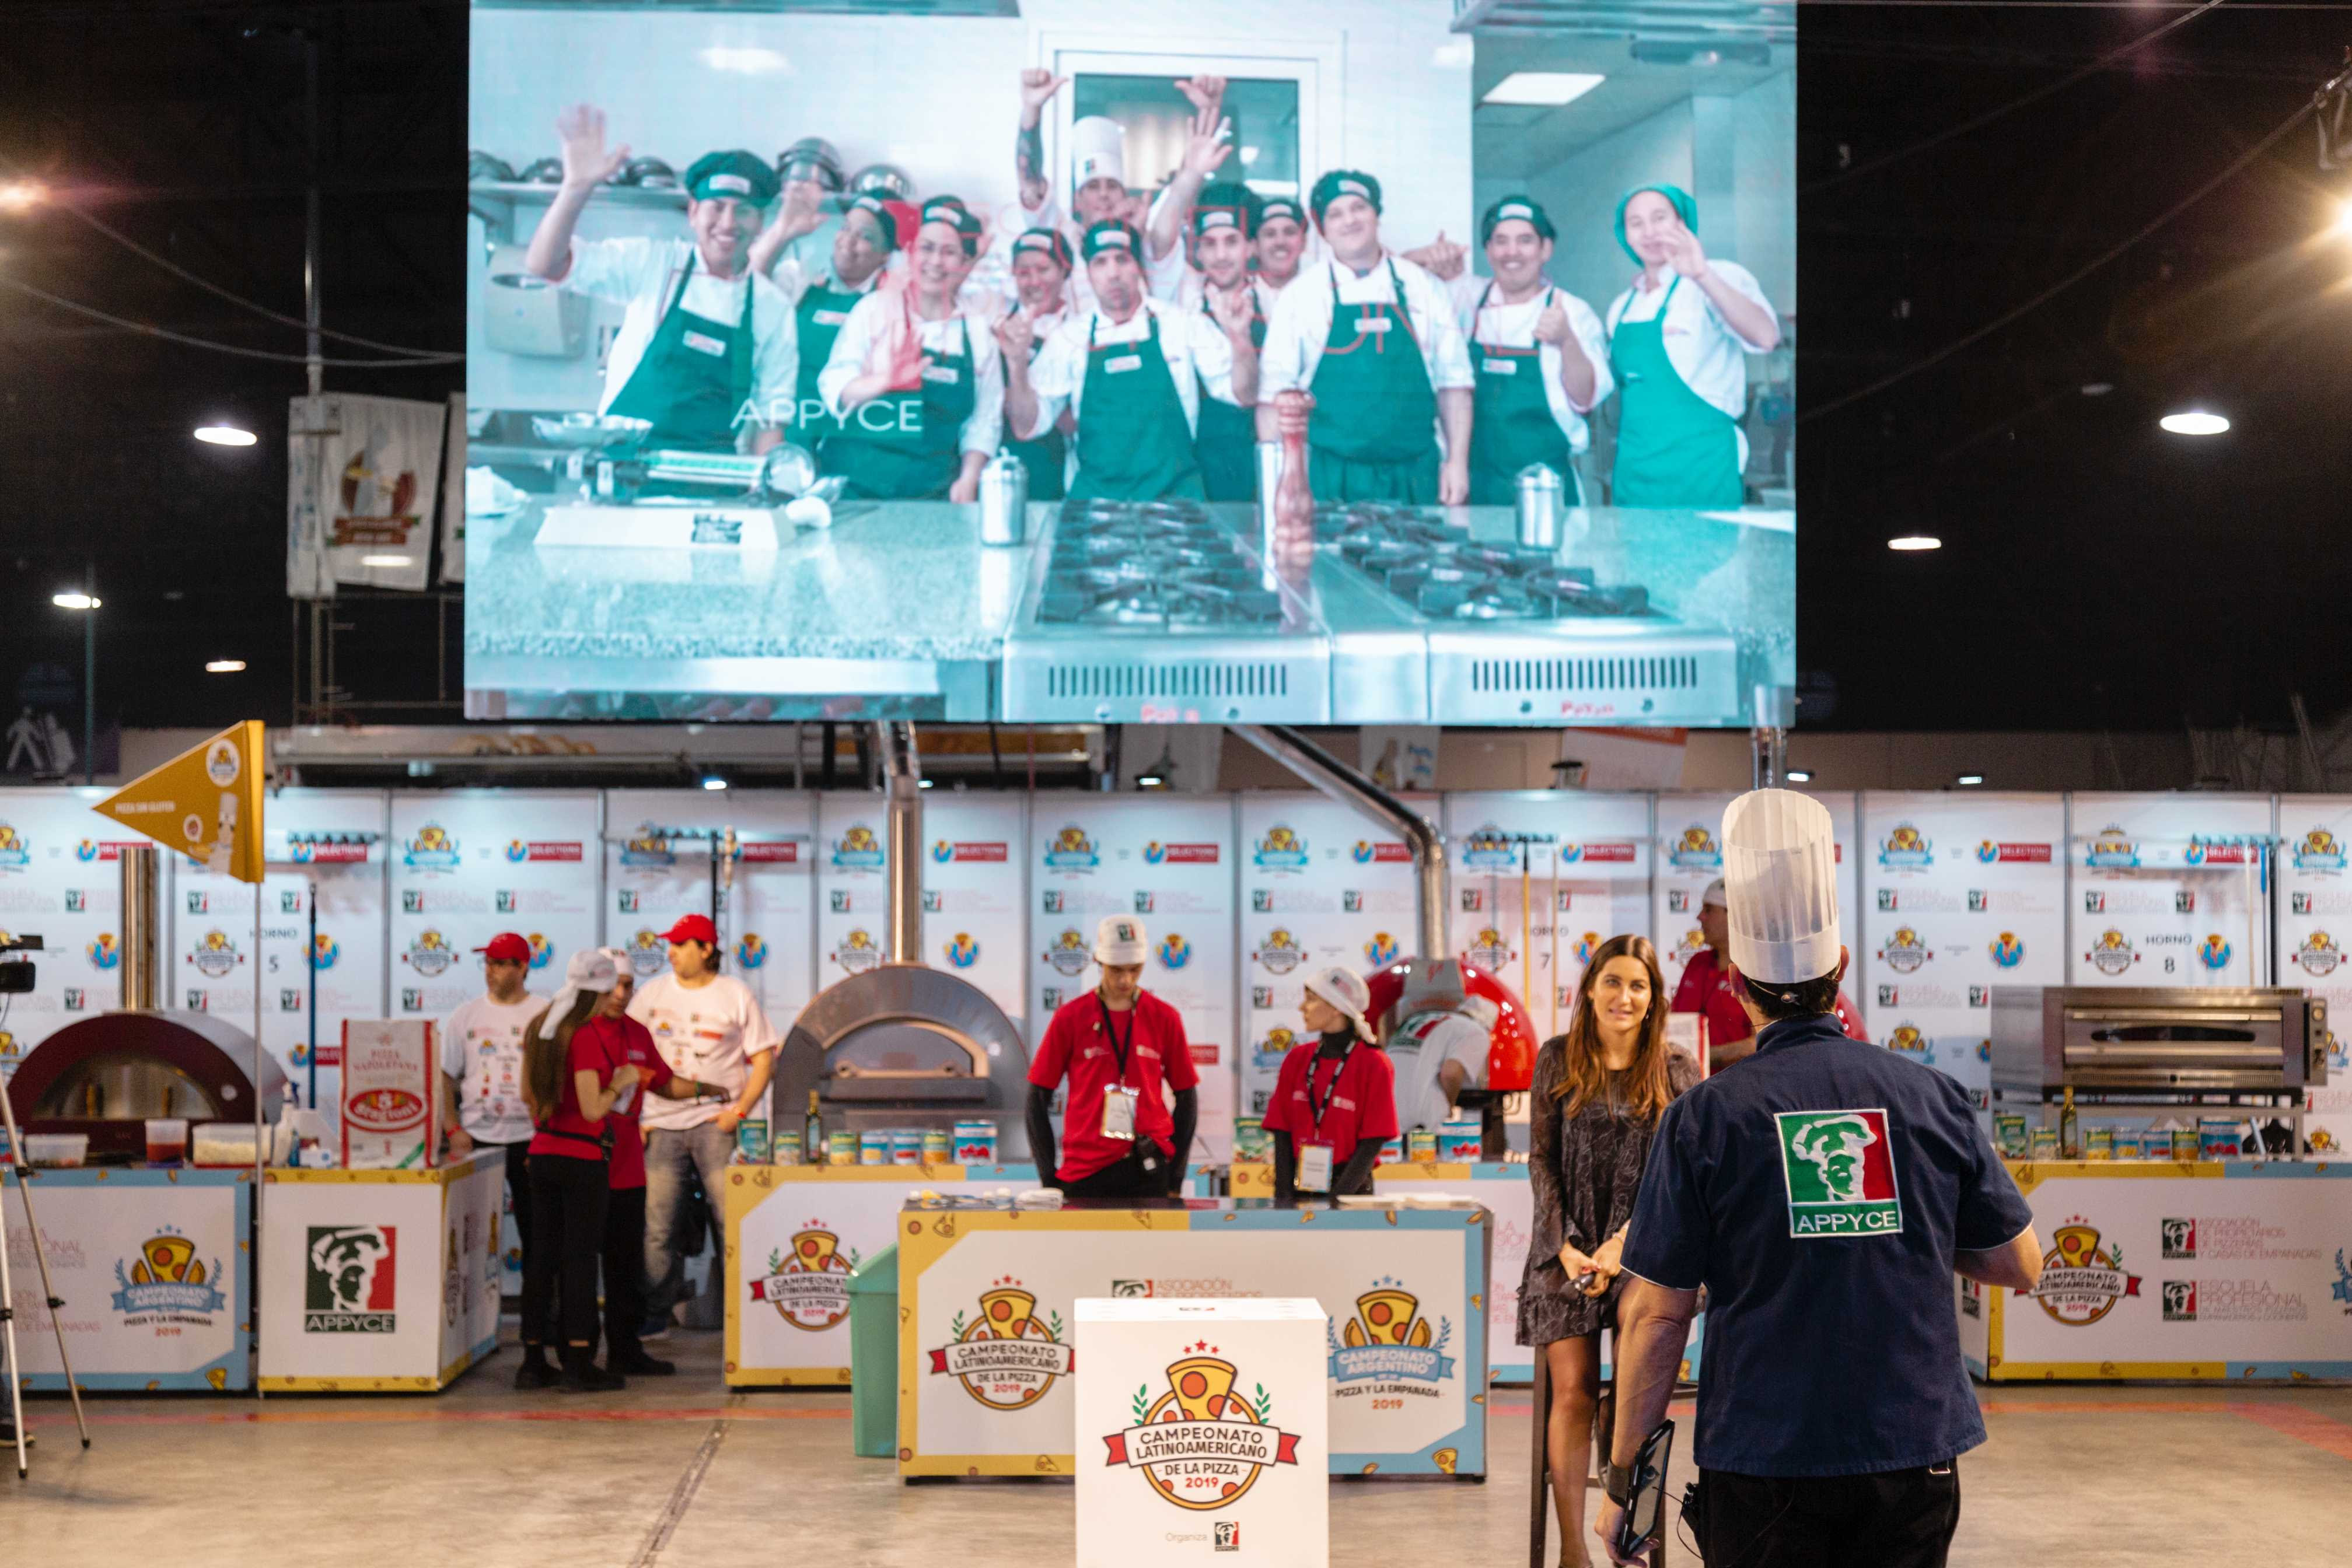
(2095,572)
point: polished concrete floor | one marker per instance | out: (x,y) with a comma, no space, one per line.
(681,1472)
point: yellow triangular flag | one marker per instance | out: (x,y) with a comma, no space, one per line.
(205,803)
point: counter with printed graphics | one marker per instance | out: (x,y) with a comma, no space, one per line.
(154,1271)
(1403,1290)
(379,1281)
(794,1235)
(2236,1270)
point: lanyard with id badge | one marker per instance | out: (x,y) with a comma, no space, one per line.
(1314,1172)
(1119,1099)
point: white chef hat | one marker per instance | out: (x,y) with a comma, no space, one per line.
(1121,939)
(589,969)
(1097,148)
(1779,866)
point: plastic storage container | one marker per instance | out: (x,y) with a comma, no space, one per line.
(57,1150)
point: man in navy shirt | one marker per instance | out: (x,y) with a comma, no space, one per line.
(1824,1195)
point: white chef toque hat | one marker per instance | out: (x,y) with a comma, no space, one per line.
(1121,939)
(1097,148)
(1780,872)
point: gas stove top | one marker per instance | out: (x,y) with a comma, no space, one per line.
(1158,564)
(1161,610)
(1445,574)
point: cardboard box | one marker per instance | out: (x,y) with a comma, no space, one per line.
(391,1111)
(1203,1433)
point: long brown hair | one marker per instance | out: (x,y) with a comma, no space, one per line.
(545,1052)
(1583,1077)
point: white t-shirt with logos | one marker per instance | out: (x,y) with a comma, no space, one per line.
(709,1032)
(481,1048)
(1420,1052)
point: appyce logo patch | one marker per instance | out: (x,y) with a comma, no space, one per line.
(352,1278)
(1838,1167)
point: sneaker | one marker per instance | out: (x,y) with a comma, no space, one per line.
(587,1377)
(534,1373)
(654,1327)
(8,1437)
(637,1364)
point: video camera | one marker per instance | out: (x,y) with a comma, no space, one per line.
(15,970)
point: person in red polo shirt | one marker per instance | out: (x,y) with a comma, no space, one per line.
(1711,986)
(1334,1101)
(1118,1045)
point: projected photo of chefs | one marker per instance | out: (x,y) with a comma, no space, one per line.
(824,364)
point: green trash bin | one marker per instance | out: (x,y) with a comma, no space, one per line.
(873,1356)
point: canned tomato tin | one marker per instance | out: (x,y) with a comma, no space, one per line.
(975,1143)
(907,1146)
(873,1149)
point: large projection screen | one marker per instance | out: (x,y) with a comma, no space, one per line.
(773,312)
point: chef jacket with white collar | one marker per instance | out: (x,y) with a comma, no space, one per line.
(870,319)
(1700,344)
(1189,341)
(642,275)
(1513,327)
(1302,323)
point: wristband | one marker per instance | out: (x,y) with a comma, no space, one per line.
(1617,1481)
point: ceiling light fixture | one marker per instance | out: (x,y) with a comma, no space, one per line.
(1547,90)
(223,666)
(74,599)
(712,781)
(1969,781)
(224,436)
(1915,542)
(2098,389)
(22,196)
(2194,422)
(1798,776)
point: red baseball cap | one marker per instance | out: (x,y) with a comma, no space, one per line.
(693,929)
(506,947)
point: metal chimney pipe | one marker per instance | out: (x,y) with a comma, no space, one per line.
(1351,788)
(902,777)
(143,913)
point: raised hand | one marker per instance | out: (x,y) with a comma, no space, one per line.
(1204,92)
(1209,145)
(1014,334)
(1038,87)
(1689,260)
(1551,327)
(1233,311)
(580,130)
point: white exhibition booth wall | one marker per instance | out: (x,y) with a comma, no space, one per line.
(1947,895)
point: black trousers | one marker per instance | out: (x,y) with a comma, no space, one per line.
(1126,1178)
(1896,1519)
(568,1199)
(624,1272)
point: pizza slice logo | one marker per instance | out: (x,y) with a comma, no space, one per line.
(1388,1343)
(1008,1356)
(1838,1167)
(808,1281)
(1199,1442)
(2082,1275)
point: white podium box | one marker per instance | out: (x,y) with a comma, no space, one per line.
(1203,1433)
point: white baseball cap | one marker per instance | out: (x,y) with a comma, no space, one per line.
(1121,939)
(1714,896)
(1779,862)
(1345,989)
(589,969)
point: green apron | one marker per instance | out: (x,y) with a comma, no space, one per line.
(821,314)
(1226,441)
(1674,447)
(1374,434)
(1047,458)
(1133,441)
(1513,425)
(907,446)
(694,377)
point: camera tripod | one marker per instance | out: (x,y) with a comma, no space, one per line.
(8,1293)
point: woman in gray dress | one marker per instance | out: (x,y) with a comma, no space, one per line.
(1598,1094)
